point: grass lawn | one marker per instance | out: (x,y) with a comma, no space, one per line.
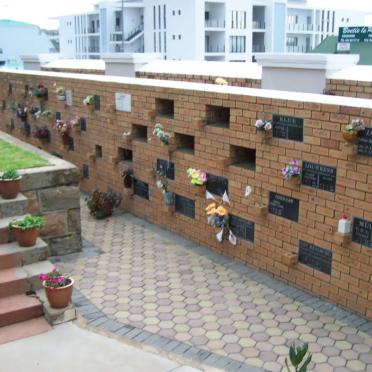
(12,156)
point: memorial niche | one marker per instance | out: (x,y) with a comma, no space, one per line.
(284,206)
(319,176)
(288,127)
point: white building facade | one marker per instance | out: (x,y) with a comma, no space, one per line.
(216,30)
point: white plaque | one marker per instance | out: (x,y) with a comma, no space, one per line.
(68,97)
(343,47)
(123,102)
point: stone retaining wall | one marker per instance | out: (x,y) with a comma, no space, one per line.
(340,271)
(53,192)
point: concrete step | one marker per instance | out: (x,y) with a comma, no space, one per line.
(12,255)
(25,329)
(18,308)
(33,270)
(13,281)
(13,207)
(6,235)
(56,316)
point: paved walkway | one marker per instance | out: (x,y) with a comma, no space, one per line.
(70,348)
(137,280)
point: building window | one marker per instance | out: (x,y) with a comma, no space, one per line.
(165,42)
(159,16)
(173,12)
(164,16)
(179,37)
(238,19)
(292,19)
(154,17)
(179,12)
(174,37)
(292,41)
(159,41)
(237,44)
(154,41)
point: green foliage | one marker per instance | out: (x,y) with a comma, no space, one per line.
(296,356)
(101,204)
(10,174)
(28,223)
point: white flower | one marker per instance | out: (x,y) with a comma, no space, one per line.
(159,185)
(128,133)
(268,126)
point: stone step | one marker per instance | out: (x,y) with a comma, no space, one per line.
(33,270)
(56,316)
(12,255)
(13,281)
(6,235)
(18,308)
(13,207)
(25,329)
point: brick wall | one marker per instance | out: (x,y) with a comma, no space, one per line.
(238,82)
(74,70)
(350,88)
(349,283)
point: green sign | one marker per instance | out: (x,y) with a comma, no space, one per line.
(355,34)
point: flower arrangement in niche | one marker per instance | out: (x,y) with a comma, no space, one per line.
(88,100)
(218,217)
(292,171)
(40,91)
(162,184)
(22,112)
(47,114)
(352,131)
(197,177)
(41,133)
(160,133)
(263,126)
(60,92)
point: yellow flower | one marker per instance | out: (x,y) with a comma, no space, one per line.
(210,206)
(221,211)
(212,211)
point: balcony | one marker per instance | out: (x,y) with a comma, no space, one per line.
(93,49)
(298,49)
(258,48)
(215,23)
(215,49)
(115,38)
(302,27)
(258,25)
(93,30)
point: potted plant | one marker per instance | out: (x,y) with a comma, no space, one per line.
(40,92)
(61,93)
(88,101)
(292,172)
(162,184)
(42,134)
(160,133)
(197,178)
(58,288)
(64,130)
(352,131)
(26,230)
(102,204)
(10,183)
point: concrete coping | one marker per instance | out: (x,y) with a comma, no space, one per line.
(353,73)
(55,163)
(201,87)
(131,57)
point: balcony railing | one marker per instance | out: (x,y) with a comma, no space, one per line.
(215,23)
(258,48)
(93,49)
(302,27)
(298,49)
(215,49)
(116,37)
(93,30)
(258,25)
(117,28)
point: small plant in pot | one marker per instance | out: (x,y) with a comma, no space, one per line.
(102,204)
(42,134)
(40,92)
(197,178)
(10,183)
(162,184)
(26,230)
(160,133)
(352,131)
(263,126)
(58,288)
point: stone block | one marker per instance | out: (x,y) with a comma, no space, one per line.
(74,220)
(60,246)
(59,198)
(33,203)
(55,224)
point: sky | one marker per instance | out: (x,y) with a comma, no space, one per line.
(40,11)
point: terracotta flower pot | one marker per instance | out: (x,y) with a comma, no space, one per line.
(9,188)
(59,298)
(25,238)
(350,137)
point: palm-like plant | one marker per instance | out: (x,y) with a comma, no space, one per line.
(297,356)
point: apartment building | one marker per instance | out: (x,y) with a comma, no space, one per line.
(215,30)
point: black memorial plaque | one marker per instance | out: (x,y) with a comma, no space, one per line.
(85,171)
(362,232)
(288,127)
(58,115)
(242,228)
(319,176)
(12,124)
(167,167)
(365,142)
(97,103)
(315,257)
(217,185)
(83,124)
(185,206)
(10,88)
(141,189)
(284,206)
(71,144)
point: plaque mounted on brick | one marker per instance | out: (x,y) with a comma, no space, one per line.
(315,257)
(83,124)
(97,103)
(319,176)
(217,185)
(362,232)
(167,167)
(185,206)
(58,115)
(284,206)
(288,127)
(71,144)
(141,189)
(85,170)
(242,228)
(365,142)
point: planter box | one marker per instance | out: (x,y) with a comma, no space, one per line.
(290,259)
(260,210)
(342,239)
(199,190)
